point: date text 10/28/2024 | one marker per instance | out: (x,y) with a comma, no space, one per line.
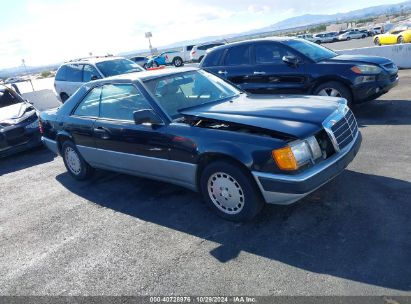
(205,299)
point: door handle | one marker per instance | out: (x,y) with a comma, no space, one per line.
(222,72)
(103,133)
(259,73)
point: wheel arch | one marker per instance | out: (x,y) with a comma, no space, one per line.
(209,157)
(61,138)
(331,78)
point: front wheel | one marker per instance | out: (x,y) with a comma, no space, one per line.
(334,89)
(74,162)
(400,40)
(230,191)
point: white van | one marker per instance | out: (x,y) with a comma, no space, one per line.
(71,75)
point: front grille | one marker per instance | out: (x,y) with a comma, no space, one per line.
(345,130)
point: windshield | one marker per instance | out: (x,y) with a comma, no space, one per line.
(117,67)
(312,50)
(180,91)
(8,98)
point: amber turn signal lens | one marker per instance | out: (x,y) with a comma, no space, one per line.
(356,70)
(285,159)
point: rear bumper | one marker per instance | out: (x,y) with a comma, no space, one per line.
(286,189)
(51,145)
(32,142)
(369,91)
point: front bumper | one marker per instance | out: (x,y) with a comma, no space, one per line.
(372,90)
(285,189)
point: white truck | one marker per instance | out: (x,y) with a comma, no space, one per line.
(178,57)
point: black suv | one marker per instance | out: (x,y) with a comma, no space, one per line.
(297,66)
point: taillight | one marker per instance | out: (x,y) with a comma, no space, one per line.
(193,52)
(41,127)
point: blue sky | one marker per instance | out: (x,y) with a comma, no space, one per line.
(45,31)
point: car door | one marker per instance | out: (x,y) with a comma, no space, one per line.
(79,124)
(271,74)
(123,145)
(237,66)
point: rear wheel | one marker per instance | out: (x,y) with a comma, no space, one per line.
(348,38)
(74,162)
(155,64)
(400,40)
(318,42)
(334,89)
(363,36)
(177,62)
(377,41)
(230,191)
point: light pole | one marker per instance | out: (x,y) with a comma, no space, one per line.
(148,36)
(25,69)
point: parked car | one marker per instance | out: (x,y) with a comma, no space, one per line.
(297,66)
(377,30)
(179,57)
(399,34)
(198,51)
(325,37)
(366,32)
(191,128)
(308,37)
(353,34)
(19,128)
(140,60)
(71,75)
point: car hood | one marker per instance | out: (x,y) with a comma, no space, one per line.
(293,116)
(13,111)
(359,59)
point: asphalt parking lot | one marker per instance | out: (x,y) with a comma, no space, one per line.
(122,235)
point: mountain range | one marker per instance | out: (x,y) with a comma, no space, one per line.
(290,23)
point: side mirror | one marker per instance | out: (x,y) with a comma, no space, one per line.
(147,116)
(94,77)
(291,60)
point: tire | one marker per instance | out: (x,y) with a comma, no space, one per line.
(348,38)
(318,42)
(230,191)
(363,36)
(145,66)
(400,40)
(74,162)
(330,88)
(155,64)
(200,59)
(64,97)
(377,41)
(178,62)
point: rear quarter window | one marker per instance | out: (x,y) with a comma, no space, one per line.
(74,73)
(61,73)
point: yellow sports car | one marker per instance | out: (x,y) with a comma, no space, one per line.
(399,34)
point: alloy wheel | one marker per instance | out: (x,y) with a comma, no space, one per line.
(226,193)
(72,160)
(329,92)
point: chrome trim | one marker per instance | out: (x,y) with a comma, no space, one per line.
(175,172)
(331,120)
(50,144)
(288,198)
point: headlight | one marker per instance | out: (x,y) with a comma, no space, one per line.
(297,154)
(366,69)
